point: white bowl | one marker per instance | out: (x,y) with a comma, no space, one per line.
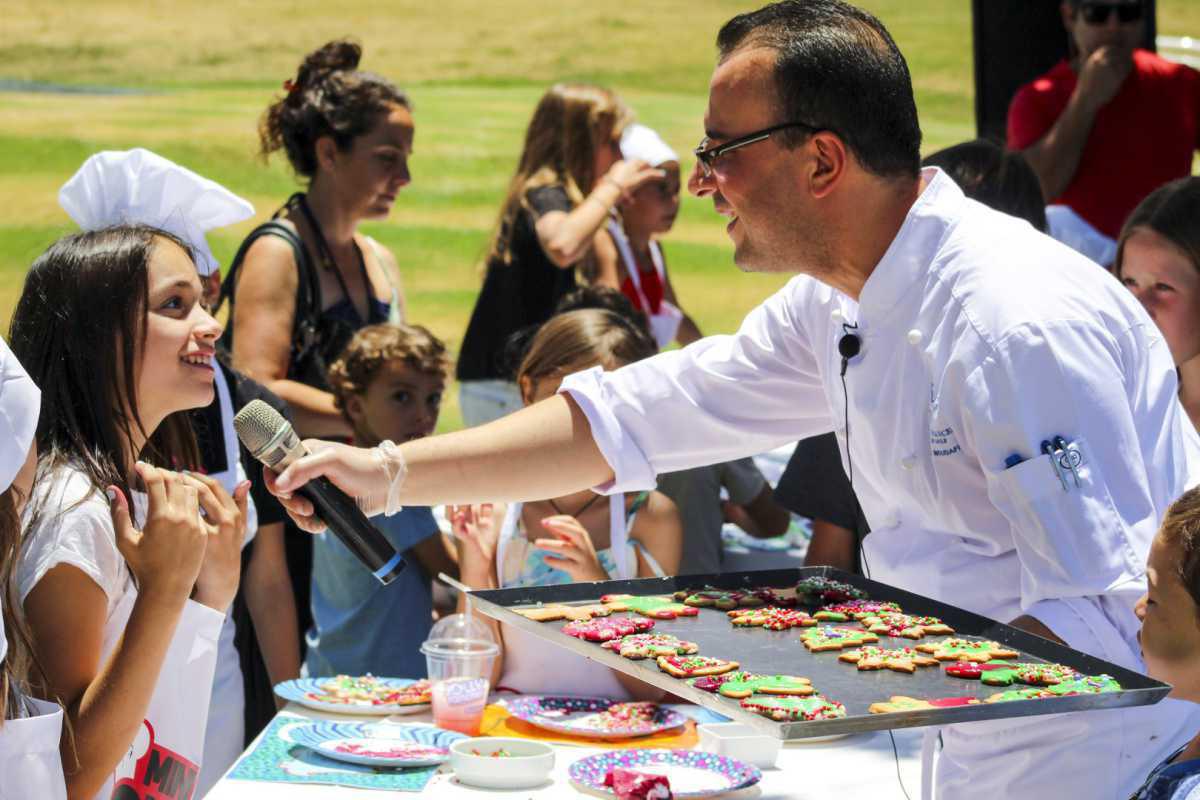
(741,742)
(527,765)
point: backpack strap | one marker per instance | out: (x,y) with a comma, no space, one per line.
(308,290)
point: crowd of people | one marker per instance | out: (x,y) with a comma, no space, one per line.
(136,527)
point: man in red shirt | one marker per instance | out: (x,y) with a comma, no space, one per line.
(1107,127)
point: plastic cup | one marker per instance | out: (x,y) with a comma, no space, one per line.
(459,655)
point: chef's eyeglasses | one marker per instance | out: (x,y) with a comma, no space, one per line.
(708,155)
(1098,13)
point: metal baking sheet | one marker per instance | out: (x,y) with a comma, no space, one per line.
(780,652)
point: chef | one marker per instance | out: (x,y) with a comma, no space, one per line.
(1006,412)
(30,729)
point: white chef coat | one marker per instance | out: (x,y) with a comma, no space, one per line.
(980,338)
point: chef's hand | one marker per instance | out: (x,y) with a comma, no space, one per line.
(475,533)
(370,475)
(225,523)
(166,554)
(572,548)
(1102,74)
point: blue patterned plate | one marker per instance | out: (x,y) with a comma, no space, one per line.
(585,716)
(375,744)
(692,773)
(310,693)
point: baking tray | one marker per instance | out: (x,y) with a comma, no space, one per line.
(780,652)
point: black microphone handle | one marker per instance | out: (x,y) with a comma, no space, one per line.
(344,519)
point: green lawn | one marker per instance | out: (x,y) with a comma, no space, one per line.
(474,71)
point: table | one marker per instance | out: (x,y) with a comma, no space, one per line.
(857,766)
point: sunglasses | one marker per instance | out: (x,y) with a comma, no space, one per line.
(1098,13)
(707,156)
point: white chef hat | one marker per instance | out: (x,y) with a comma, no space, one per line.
(20,402)
(638,141)
(137,186)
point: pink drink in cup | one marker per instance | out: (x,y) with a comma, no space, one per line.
(459,654)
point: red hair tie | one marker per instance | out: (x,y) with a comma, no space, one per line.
(289,86)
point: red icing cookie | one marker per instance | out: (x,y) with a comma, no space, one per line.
(605,628)
(772,617)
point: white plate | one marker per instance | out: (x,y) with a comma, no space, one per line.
(375,744)
(301,691)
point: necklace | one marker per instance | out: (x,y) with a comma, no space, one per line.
(327,259)
(582,508)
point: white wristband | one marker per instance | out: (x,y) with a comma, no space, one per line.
(392,461)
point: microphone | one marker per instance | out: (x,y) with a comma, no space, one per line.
(848,346)
(272,440)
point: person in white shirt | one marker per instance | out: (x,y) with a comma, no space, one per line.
(969,339)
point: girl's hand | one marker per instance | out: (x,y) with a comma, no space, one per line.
(166,554)
(217,582)
(475,530)
(573,550)
(630,175)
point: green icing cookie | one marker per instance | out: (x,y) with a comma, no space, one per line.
(746,685)
(794,708)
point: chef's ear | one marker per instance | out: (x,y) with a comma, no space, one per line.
(830,159)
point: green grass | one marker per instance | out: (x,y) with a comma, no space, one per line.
(203,73)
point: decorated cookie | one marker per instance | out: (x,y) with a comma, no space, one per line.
(652,606)
(711,683)
(794,708)
(786,598)
(693,666)
(601,630)
(822,591)
(827,637)
(1084,684)
(1004,673)
(719,598)
(902,703)
(900,659)
(771,617)
(890,623)
(555,611)
(855,609)
(766,684)
(647,645)
(966,650)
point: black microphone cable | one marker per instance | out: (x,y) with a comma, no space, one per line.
(849,346)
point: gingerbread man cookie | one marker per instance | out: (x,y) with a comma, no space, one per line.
(821,591)
(601,630)
(901,659)
(549,613)
(902,703)
(1005,673)
(890,623)
(827,637)
(855,610)
(646,645)
(967,650)
(771,617)
(794,708)
(694,666)
(1084,684)
(766,684)
(655,607)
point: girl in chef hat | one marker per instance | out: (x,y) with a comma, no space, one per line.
(30,729)
(627,251)
(111,328)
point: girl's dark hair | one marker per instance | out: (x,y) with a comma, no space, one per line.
(998,178)
(1173,212)
(19,664)
(77,330)
(328,97)
(1181,527)
(577,340)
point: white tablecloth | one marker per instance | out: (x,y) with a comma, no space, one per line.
(857,766)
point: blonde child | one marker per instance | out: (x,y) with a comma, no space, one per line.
(578,537)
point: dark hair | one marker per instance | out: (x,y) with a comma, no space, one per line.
(1173,212)
(1181,528)
(20,662)
(375,345)
(999,178)
(837,68)
(328,97)
(77,328)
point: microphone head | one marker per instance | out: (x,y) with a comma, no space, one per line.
(848,346)
(257,424)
